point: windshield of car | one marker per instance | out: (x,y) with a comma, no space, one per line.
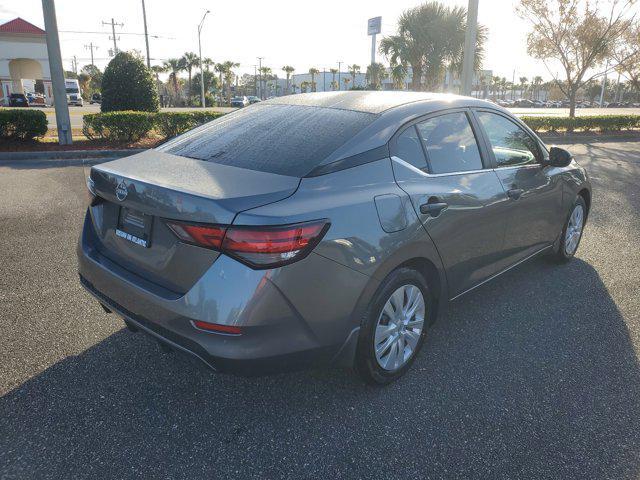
(72,90)
(283,139)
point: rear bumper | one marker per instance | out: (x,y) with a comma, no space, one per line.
(279,332)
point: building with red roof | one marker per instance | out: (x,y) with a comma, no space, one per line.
(24,60)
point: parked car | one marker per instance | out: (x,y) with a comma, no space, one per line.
(254,99)
(18,100)
(524,103)
(335,236)
(96,98)
(239,102)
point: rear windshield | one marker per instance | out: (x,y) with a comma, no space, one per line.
(282,139)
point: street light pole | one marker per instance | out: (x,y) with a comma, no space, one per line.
(260,75)
(63,121)
(200,55)
(469,47)
(146,34)
(339,82)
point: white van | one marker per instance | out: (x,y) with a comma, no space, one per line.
(74,95)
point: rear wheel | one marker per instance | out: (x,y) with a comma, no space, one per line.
(394,327)
(572,231)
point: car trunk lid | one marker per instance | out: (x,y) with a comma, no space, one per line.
(138,193)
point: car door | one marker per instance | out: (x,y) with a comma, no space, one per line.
(459,199)
(535,191)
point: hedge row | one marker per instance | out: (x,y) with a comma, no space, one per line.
(602,123)
(22,124)
(133,126)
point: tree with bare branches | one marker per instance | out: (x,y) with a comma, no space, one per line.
(578,36)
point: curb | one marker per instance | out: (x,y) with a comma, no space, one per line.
(68,154)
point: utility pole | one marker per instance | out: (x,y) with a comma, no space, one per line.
(260,75)
(469,47)
(339,78)
(113,31)
(202,104)
(604,84)
(74,65)
(255,80)
(146,34)
(90,47)
(63,123)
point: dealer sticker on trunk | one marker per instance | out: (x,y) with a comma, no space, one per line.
(132,238)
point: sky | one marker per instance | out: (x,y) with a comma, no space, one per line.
(302,34)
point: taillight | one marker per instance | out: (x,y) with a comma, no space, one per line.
(258,247)
(209,236)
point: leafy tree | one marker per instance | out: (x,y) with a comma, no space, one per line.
(127,84)
(627,54)
(430,39)
(210,81)
(288,70)
(576,35)
(346,81)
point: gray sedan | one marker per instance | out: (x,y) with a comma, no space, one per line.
(324,229)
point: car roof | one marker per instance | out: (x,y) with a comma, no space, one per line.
(375,102)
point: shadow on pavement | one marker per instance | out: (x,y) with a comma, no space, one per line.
(533,375)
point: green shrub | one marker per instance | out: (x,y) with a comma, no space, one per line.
(118,126)
(22,124)
(133,126)
(602,123)
(127,84)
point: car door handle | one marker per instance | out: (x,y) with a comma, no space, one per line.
(515,193)
(433,209)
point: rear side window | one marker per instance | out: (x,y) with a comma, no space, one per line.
(450,143)
(283,139)
(408,148)
(511,145)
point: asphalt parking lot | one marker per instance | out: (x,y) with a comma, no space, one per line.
(534,375)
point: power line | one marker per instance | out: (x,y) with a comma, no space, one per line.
(119,33)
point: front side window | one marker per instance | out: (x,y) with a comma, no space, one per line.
(511,145)
(450,143)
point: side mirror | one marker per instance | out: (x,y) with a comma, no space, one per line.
(559,157)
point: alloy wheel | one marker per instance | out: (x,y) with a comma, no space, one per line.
(574,230)
(399,327)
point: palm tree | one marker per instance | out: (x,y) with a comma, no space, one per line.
(207,63)
(265,74)
(174,66)
(430,39)
(495,82)
(219,67)
(522,85)
(334,84)
(346,81)
(398,75)
(227,73)
(303,86)
(288,70)
(313,72)
(376,72)
(190,61)
(537,82)
(353,71)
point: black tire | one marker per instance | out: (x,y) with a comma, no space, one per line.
(561,255)
(366,364)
